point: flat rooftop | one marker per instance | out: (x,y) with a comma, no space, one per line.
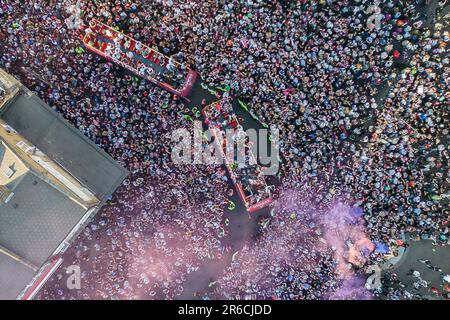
(14,276)
(64,144)
(36,219)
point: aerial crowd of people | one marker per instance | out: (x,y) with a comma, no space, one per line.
(363,116)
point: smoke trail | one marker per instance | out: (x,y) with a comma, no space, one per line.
(345,233)
(309,251)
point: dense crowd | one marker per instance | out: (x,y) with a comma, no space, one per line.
(314,69)
(303,253)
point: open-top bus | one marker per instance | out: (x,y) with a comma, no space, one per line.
(140,59)
(249,180)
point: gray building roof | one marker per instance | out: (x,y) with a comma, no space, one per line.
(36,219)
(14,276)
(64,144)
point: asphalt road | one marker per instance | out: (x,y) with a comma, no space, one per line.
(439,256)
